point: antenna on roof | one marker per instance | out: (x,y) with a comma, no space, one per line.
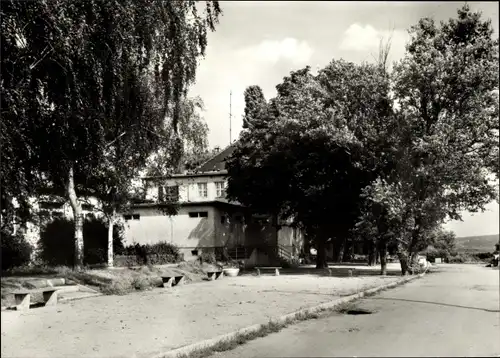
(230,116)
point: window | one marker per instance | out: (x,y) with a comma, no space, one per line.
(194,252)
(132,217)
(172,193)
(202,190)
(222,219)
(196,214)
(87,207)
(160,193)
(220,188)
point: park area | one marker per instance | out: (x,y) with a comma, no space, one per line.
(144,323)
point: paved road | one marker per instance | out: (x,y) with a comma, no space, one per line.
(453,312)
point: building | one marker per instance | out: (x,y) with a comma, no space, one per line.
(206,220)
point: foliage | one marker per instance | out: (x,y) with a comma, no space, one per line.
(208,257)
(153,254)
(447,89)
(255,105)
(16,251)
(304,161)
(192,130)
(56,242)
(86,85)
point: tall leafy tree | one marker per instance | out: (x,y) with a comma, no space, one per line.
(77,76)
(255,103)
(306,163)
(447,89)
(193,133)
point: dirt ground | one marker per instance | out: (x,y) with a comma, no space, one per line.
(454,313)
(143,323)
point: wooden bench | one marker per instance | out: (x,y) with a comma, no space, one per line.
(276,270)
(214,275)
(169,281)
(23,297)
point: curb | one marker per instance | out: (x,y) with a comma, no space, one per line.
(208,343)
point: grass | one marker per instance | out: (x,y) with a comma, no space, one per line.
(108,281)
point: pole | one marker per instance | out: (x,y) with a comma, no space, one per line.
(230,115)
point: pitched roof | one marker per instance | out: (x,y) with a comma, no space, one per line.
(218,161)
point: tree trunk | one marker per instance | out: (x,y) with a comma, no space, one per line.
(321,254)
(371,254)
(383,258)
(403,259)
(377,257)
(110,239)
(340,253)
(77,214)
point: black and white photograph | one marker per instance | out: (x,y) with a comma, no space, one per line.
(226,179)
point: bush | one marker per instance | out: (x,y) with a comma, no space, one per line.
(57,244)
(157,254)
(16,251)
(484,256)
(208,257)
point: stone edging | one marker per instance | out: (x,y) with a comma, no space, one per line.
(208,343)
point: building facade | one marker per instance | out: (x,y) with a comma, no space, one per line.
(206,221)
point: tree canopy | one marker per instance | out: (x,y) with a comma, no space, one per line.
(80,79)
(355,149)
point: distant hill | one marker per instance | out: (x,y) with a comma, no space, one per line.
(484,243)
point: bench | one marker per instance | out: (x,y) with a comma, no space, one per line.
(276,270)
(214,275)
(169,281)
(22,297)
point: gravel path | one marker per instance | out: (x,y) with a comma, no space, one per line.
(147,322)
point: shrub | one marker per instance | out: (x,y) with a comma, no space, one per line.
(208,257)
(156,254)
(16,251)
(484,256)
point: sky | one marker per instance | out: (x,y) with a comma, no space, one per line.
(260,42)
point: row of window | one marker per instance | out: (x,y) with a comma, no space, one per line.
(172,192)
(220,187)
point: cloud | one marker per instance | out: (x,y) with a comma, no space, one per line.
(272,51)
(362,38)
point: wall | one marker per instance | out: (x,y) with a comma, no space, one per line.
(181,229)
(188,187)
(290,239)
(229,230)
